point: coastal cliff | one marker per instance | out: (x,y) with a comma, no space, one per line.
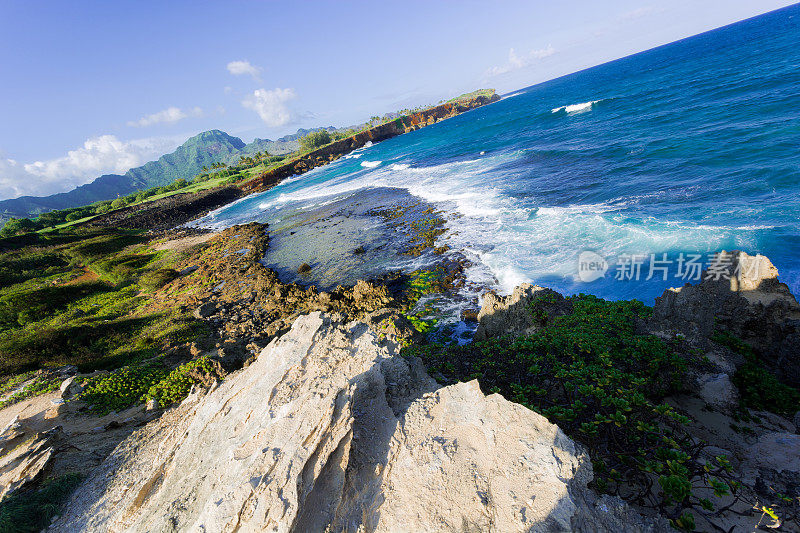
(337,149)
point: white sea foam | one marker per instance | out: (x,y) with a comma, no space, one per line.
(576,108)
(370,164)
(510,239)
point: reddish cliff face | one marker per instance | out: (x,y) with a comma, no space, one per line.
(337,149)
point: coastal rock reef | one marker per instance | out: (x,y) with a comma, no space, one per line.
(566,413)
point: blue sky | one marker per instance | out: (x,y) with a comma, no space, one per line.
(96,87)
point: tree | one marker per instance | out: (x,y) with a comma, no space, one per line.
(315,139)
(18,225)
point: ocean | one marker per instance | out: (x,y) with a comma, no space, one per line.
(639,167)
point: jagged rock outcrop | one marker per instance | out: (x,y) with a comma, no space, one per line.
(512,314)
(739,294)
(23,456)
(329,430)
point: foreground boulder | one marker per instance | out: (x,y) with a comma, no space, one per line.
(328,430)
(741,295)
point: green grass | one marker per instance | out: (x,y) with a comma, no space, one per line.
(192,187)
(103,324)
(66,225)
(31,511)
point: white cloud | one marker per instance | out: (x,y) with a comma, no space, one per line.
(238,68)
(104,154)
(169,115)
(515,61)
(271,105)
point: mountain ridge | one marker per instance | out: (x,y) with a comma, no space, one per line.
(185,161)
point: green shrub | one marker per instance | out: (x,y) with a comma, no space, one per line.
(604,385)
(758,387)
(31,511)
(18,225)
(121,388)
(176,386)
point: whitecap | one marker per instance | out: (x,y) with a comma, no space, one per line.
(576,108)
(370,164)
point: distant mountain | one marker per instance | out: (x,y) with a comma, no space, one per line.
(284,145)
(186,161)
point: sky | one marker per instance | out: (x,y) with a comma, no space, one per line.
(95,87)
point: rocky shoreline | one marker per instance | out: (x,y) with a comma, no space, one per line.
(337,149)
(333,410)
(344,429)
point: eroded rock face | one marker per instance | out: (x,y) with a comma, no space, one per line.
(329,429)
(512,314)
(23,457)
(748,301)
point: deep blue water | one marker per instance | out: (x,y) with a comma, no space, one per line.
(692,147)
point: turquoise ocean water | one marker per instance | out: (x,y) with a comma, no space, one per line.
(691,148)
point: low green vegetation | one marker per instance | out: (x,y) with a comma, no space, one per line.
(91,310)
(758,387)
(31,511)
(151,380)
(176,386)
(121,388)
(474,94)
(36,387)
(422,283)
(65,217)
(16,267)
(605,386)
